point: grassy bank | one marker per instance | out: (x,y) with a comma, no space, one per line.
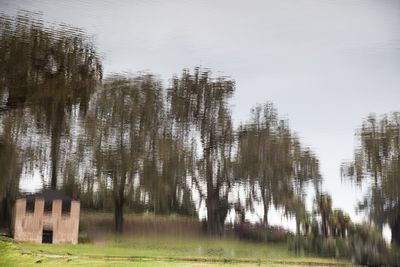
(97,225)
(152,240)
(162,251)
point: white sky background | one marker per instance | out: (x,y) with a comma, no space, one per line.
(326,64)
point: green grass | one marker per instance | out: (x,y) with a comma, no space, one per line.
(156,251)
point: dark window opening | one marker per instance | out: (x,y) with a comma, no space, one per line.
(47,236)
(66,207)
(48,206)
(30,206)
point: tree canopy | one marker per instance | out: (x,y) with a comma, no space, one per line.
(377,162)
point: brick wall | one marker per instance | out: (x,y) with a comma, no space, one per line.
(29,226)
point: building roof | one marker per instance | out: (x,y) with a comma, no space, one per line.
(47,194)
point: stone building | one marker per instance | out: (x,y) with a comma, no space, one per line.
(46,217)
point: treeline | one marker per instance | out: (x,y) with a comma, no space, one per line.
(330,233)
(127,142)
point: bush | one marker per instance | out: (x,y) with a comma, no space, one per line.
(364,245)
(368,246)
(330,247)
(258,233)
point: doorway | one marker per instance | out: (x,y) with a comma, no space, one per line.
(47,236)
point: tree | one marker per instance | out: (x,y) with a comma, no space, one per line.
(323,206)
(339,223)
(122,126)
(377,160)
(10,168)
(263,155)
(272,160)
(51,71)
(198,103)
(165,172)
(305,170)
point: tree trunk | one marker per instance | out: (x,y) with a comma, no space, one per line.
(4,214)
(214,226)
(343,230)
(395,228)
(297,226)
(212,222)
(266,202)
(55,143)
(266,209)
(6,206)
(119,215)
(324,225)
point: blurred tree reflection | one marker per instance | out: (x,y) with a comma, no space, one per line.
(276,164)
(131,144)
(47,72)
(377,161)
(199,102)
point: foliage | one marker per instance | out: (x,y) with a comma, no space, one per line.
(377,161)
(324,247)
(45,73)
(128,143)
(50,71)
(10,168)
(364,245)
(369,248)
(258,233)
(323,203)
(273,162)
(198,103)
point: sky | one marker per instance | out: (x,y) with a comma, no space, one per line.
(326,64)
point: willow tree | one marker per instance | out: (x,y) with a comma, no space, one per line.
(305,171)
(339,223)
(122,130)
(273,162)
(50,70)
(323,207)
(10,167)
(198,103)
(377,162)
(165,172)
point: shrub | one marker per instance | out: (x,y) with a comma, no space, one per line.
(364,245)
(330,247)
(368,246)
(257,232)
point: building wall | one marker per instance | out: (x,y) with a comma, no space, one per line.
(29,226)
(65,227)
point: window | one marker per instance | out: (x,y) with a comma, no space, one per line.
(66,207)
(30,206)
(48,206)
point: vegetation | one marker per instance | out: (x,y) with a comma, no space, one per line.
(167,251)
(199,101)
(133,143)
(363,244)
(273,163)
(127,143)
(378,160)
(45,75)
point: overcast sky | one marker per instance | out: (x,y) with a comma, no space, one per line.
(326,64)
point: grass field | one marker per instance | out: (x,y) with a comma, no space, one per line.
(156,251)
